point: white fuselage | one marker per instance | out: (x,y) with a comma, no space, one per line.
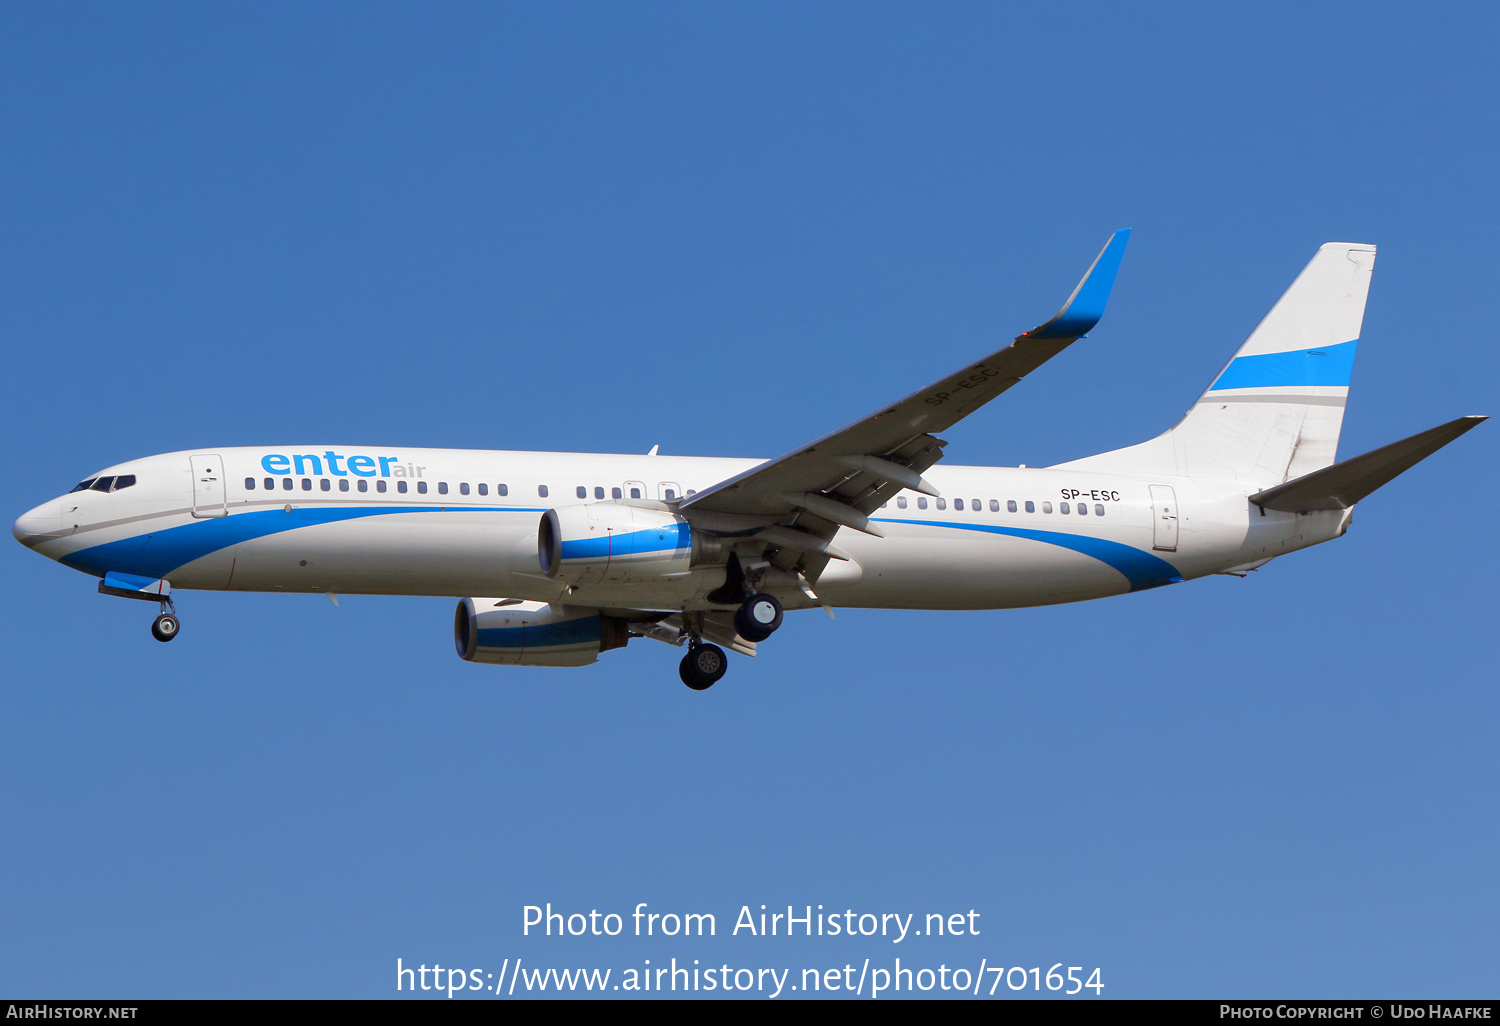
(415,522)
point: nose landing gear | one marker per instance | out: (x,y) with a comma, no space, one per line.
(166,626)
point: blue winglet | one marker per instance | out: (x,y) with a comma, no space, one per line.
(1086,305)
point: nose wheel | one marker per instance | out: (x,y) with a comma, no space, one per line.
(166,626)
(703,666)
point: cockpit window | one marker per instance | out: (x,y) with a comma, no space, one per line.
(104,484)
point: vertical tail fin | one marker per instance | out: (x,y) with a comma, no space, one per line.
(1275,411)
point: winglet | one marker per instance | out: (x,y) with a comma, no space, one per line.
(1086,305)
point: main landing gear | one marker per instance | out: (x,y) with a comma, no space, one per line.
(166,626)
(758,617)
(703,665)
(755,620)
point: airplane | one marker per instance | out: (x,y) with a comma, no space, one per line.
(580,553)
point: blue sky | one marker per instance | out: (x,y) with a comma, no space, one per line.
(727,229)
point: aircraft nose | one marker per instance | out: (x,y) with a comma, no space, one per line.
(35,526)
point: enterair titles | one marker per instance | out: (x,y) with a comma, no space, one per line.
(312,464)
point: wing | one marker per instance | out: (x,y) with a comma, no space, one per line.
(797,502)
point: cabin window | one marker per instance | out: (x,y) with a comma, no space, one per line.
(995,506)
(364,485)
(343,484)
(692,491)
(1030,506)
(540,490)
(286,484)
(421,487)
(1098,510)
(269,483)
(671,493)
(1010,505)
(463,489)
(598,492)
(958,504)
(1064,508)
(442,487)
(249,484)
(1046,507)
(635,493)
(307,484)
(942,503)
(921,502)
(401,487)
(900,502)
(484,489)
(1083,509)
(325,484)
(379,486)
(615,493)
(501,489)
(583,493)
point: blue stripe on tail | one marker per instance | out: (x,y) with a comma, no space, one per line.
(1324,366)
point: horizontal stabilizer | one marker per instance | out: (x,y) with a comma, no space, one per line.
(1343,484)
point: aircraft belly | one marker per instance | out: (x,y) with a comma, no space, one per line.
(438,553)
(950,571)
(210,573)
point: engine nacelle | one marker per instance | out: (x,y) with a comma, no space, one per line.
(511,633)
(610,543)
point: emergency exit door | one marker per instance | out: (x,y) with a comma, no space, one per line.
(208,486)
(1164,513)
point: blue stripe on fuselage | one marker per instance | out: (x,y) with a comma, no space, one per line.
(1141,569)
(1325,365)
(157,554)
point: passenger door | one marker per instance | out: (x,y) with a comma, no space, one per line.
(1164,515)
(208,486)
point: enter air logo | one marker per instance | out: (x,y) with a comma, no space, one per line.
(338,465)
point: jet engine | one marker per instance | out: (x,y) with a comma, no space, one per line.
(611,543)
(511,632)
